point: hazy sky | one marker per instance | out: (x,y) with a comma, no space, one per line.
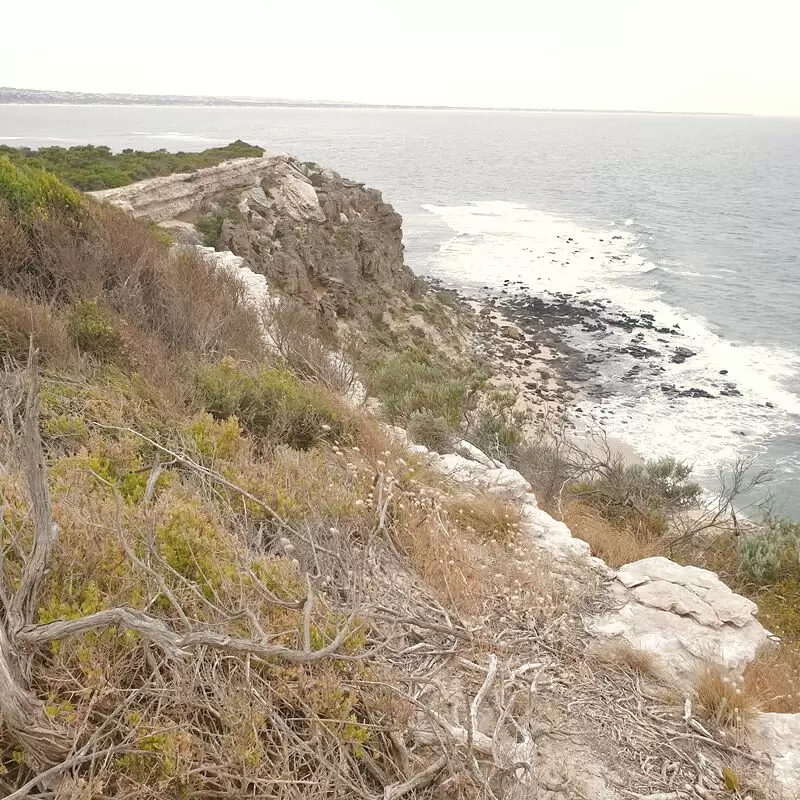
(671,55)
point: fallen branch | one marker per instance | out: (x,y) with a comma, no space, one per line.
(172,642)
(396,790)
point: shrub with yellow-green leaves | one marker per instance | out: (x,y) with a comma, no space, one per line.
(273,405)
(29,193)
(94,330)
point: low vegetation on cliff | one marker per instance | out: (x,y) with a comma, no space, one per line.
(93,167)
(215,572)
(219,579)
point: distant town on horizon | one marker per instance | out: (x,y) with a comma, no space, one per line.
(12,95)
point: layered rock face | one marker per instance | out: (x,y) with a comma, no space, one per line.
(316,236)
(167,198)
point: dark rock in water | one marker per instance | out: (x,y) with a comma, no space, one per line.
(639,351)
(648,316)
(769,405)
(730,390)
(671,390)
(681,354)
(723,372)
(696,393)
(665,330)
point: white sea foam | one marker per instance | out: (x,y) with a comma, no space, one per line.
(499,241)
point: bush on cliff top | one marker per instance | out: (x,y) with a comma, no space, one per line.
(272,404)
(89,167)
(30,193)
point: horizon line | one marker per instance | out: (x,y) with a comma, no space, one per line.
(258,102)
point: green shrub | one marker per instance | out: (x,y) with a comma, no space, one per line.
(94,331)
(411,381)
(644,495)
(427,429)
(496,433)
(89,167)
(772,553)
(273,404)
(30,193)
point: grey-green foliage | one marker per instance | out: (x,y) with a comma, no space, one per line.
(497,433)
(764,555)
(427,429)
(411,382)
(647,495)
(760,556)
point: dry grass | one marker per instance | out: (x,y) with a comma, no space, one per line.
(728,700)
(119,264)
(774,676)
(633,659)
(615,544)
(485,516)
(22,321)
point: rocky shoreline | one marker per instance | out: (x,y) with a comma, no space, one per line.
(553,347)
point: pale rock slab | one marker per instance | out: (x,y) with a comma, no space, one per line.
(684,615)
(661,583)
(551,535)
(470,451)
(500,481)
(168,197)
(779,735)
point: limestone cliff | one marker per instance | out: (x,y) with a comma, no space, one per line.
(315,235)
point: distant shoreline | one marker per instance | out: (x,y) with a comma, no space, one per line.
(36,97)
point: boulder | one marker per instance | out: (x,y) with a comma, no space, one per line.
(182,232)
(513,332)
(681,354)
(684,615)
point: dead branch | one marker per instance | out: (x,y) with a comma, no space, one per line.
(418,781)
(22,607)
(176,644)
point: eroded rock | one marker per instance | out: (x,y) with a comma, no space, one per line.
(685,615)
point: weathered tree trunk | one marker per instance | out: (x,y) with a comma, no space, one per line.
(45,742)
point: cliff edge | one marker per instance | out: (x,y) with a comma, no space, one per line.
(326,240)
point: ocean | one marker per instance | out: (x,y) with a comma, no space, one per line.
(693,220)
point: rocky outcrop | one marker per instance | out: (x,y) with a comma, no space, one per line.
(167,198)
(314,235)
(686,616)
